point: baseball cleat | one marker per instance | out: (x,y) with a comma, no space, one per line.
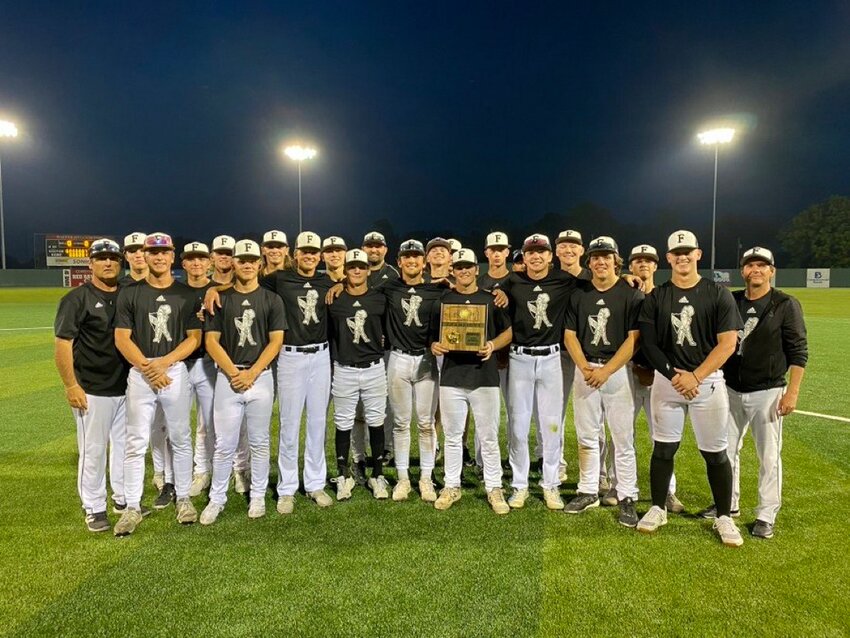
(321,497)
(158,480)
(165,498)
(610,498)
(496,498)
(762,529)
(448,497)
(200,482)
(285,504)
(553,499)
(389,458)
(426,490)
(728,531)
(517,499)
(211,512)
(711,512)
(652,520)
(97,522)
(379,487)
(581,502)
(358,473)
(186,512)
(628,516)
(128,522)
(344,485)
(402,490)
(674,504)
(241,481)
(257,508)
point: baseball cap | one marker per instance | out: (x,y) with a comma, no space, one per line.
(223,243)
(275,237)
(356,256)
(411,247)
(454,245)
(464,256)
(602,244)
(757,253)
(438,242)
(134,240)
(516,257)
(246,248)
(572,236)
(374,238)
(682,240)
(644,250)
(308,240)
(333,242)
(497,239)
(536,241)
(195,248)
(158,240)
(104,246)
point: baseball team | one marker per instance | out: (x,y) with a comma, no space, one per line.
(253,324)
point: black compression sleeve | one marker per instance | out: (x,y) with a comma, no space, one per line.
(649,345)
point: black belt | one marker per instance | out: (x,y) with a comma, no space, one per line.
(536,351)
(413,353)
(362,365)
(307,349)
(599,360)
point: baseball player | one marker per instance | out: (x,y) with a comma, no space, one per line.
(454,246)
(356,322)
(95,378)
(759,398)
(689,327)
(470,381)
(275,249)
(517,264)
(243,338)
(601,335)
(439,259)
(156,327)
(134,255)
(333,255)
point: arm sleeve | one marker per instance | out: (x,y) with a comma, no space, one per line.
(794,339)
(67,322)
(653,353)
(124,308)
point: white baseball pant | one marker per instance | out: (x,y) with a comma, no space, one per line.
(202,386)
(350,385)
(303,382)
(412,381)
(142,402)
(102,424)
(758,411)
(160,450)
(359,438)
(454,406)
(709,412)
(231,408)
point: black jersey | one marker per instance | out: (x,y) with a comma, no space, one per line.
(245,321)
(127,280)
(487,282)
(86,315)
(357,327)
(688,320)
(200,292)
(466,369)
(639,359)
(304,304)
(384,273)
(409,312)
(538,307)
(603,319)
(158,317)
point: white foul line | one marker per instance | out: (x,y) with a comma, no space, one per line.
(824,416)
(17,329)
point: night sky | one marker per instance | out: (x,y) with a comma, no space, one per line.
(439,117)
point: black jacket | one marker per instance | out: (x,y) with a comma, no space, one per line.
(777,342)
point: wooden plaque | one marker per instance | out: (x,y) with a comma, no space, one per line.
(463,327)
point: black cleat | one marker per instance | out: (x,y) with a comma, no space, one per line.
(762,529)
(581,502)
(166,497)
(628,515)
(97,522)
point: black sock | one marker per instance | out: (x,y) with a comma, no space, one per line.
(660,471)
(376,442)
(342,444)
(719,471)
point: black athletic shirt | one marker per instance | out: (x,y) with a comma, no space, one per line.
(409,312)
(158,317)
(245,321)
(603,319)
(466,369)
(688,320)
(304,304)
(356,327)
(86,315)
(384,273)
(200,292)
(538,307)
(488,282)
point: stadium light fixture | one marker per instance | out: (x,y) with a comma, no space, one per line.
(715,137)
(7,129)
(298,154)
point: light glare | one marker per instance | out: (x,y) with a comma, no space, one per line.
(8,129)
(716,136)
(300,153)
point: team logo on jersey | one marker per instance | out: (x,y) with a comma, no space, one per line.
(159,323)
(244,325)
(599,325)
(160,298)
(411,310)
(357,325)
(749,325)
(682,325)
(307,304)
(537,308)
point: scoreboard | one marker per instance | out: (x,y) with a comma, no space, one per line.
(67,250)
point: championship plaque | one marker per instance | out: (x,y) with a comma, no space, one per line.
(463,327)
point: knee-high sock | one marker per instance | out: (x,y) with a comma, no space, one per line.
(719,471)
(342,443)
(376,442)
(660,471)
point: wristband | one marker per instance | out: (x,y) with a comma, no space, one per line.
(71,387)
(696,377)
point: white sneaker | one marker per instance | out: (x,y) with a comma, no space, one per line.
(322,499)
(257,508)
(186,512)
(448,497)
(496,498)
(200,482)
(344,485)
(242,481)
(426,490)
(652,520)
(158,481)
(379,487)
(285,504)
(728,531)
(518,498)
(402,490)
(128,522)
(553,499)
(210,513)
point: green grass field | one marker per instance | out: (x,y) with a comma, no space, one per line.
(367,568)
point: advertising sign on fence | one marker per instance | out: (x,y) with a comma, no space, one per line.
(73,277)
(817,278)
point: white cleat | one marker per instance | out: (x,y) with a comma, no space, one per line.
(518,498)
(186,512)
(379,487)
(652,520)
(242,481)
(728,531)
(158,481)
(257,508)
(321,497)
(285,504)
(496,498)
(210,513)
(426,490)
(553,499)
(402,490)
(200,482)
(344,485)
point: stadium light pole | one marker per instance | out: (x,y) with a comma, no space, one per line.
(298,154)
(7,129)
(715,137)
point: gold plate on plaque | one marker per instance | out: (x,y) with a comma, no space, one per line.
(463,327)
